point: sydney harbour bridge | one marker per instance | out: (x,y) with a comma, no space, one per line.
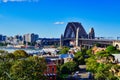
(75,35)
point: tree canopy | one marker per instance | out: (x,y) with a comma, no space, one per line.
(68,67)
(64,50)
(29,68)
(79,58)
(112,49)
(20,53)
(101,63)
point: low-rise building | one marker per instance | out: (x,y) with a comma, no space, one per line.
(66,57)
(51,71)
(117,58)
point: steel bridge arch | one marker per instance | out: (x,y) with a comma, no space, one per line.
(71,28)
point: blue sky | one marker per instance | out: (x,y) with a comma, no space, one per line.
(48,18)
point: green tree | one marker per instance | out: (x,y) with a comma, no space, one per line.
(100,65)
(10,56)
(79,58)
(112,49)
(31,68)
(7,57)
(83,50)
(89,52)
(68,68)
(103,72)
(97,44)
(64,50)
(5,70)
(102,54)
(20,54)
(3,52)
(91,64)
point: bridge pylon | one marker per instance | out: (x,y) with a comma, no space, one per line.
(77,37)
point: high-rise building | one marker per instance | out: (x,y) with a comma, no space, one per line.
(18,37)
(36,37)
(4,38)
(27,37)
(91,34)
(30,37)
(1,37)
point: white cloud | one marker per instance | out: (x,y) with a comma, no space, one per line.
(5,1)
(59,22)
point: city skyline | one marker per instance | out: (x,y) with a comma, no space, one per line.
(49,18)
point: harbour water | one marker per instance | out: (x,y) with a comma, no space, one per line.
(28,50)
(31,50)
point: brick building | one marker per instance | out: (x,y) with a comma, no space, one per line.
(51,70)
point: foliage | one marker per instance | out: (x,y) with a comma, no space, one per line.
(102,54)
(7,57)
(30,69)
(10,56)
(100,70)
(20,54)
(112,49)
(3,52)
(91,64)
(68,68)
(97,44)
(79,58)
(103,72)
(100,65)
(64,50)
(5,70)
(62,76)
(89,52)
(83,50)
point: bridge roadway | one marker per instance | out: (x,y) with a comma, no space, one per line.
(89,39)
(90,42)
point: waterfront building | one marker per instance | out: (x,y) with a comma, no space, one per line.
(27,38)
(2,37)
(36,37)
(30,37)
(19,37)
